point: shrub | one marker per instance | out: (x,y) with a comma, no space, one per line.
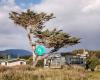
(92,63)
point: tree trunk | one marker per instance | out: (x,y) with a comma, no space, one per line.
(29,34)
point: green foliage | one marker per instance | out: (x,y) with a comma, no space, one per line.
(30,18)
(92,63)
(56,39)
(25,57)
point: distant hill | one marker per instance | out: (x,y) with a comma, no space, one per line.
(15,53)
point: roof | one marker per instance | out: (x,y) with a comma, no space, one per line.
(67,53)
(61,54)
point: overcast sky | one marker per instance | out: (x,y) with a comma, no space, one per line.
(80,18)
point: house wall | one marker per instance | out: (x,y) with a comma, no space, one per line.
(13,63)
(67,58)
(16,63)
(63,60)
(54,62)
(75,60)
(3,63)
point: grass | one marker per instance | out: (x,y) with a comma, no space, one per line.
(29,73)
(93,75)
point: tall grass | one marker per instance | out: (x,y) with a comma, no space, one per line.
(29,73)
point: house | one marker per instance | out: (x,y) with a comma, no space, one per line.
(57,60)
(79,59)
(54,61)
(12,62)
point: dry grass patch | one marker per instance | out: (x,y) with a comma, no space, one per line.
(29,73)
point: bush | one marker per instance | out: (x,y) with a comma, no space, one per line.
(92,63)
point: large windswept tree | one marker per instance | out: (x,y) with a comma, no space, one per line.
(34,24)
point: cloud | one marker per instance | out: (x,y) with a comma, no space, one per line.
(92,5)
(12,41)
(11,35)
(77,17)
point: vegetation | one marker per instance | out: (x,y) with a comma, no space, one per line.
(56,39)
(93,75)
(30,73)
(94,53)
(40,64)
(91,63)
(30,21)
(41,74)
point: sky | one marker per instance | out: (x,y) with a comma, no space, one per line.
(79,18)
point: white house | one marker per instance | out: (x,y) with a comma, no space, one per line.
(12,62)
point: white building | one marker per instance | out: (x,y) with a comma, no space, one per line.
(12,62)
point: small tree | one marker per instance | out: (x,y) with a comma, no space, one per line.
(91,63)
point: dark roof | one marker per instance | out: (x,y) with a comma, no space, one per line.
(67,53)
(59,54)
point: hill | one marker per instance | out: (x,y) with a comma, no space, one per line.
(15,53)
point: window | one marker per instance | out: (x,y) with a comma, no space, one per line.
(21,63)
(5,63)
